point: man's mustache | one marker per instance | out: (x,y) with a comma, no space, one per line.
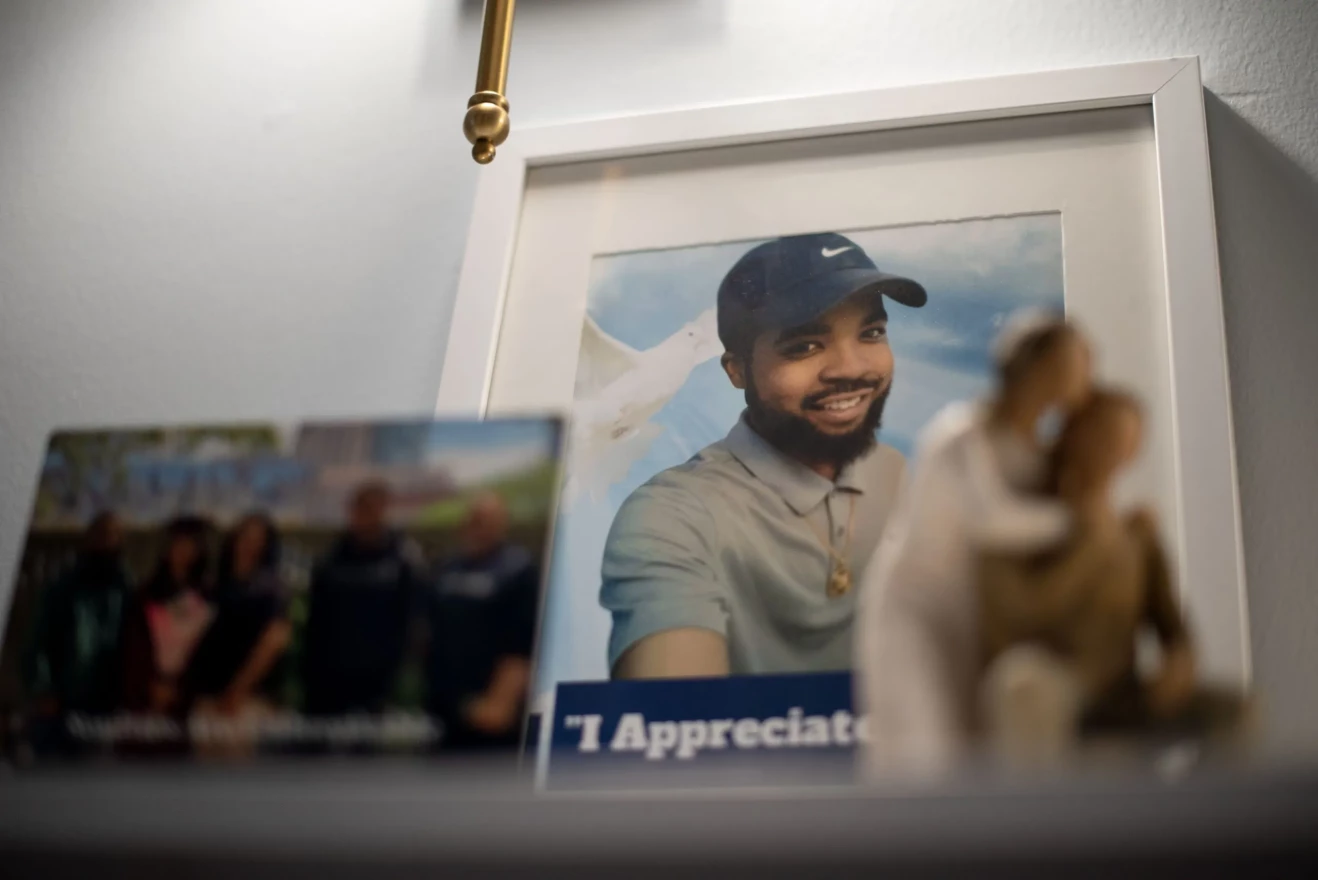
(842,386)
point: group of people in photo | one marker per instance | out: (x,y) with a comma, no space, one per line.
(215,629)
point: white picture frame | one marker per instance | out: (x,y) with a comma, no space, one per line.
(1209,551)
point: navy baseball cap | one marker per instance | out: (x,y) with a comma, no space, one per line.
(789,281)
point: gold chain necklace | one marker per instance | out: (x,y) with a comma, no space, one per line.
(839,577)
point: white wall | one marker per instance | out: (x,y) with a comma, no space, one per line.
(213,209)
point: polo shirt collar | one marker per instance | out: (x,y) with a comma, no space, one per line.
(800,487)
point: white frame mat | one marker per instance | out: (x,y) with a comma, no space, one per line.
(1209,552)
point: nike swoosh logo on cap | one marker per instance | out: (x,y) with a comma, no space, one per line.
(833,252)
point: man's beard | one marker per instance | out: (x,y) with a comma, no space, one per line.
(796,436)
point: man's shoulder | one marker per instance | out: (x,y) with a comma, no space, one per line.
(409,550)
(881,459)
(881,469)
(514,559)
(712,466)
(682,491)
(888,457)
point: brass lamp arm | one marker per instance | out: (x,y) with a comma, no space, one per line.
(486,124)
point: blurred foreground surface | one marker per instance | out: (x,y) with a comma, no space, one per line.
(474,820)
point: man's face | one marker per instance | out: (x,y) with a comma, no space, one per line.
(1073,364)
(1127,432)
(821,385)
(486,527)
(107,536)
(1104,440)
(183,554)
(367,514)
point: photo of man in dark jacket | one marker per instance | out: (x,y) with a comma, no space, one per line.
(73,660)
(359,619)
(481,609)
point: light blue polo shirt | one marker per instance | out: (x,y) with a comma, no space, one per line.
(732,541)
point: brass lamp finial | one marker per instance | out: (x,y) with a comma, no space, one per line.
(486,124)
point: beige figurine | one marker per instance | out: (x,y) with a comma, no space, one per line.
(1059,629)
(978,484)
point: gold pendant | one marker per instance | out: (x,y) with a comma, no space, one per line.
(839,582)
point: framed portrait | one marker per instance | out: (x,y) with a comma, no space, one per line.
(605,261)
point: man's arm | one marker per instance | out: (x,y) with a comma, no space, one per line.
(688,652)
(669,617)
(414,576)
(1164,612)
(498,708)
(1175,682)
(313,638)
(1029,595)
(139,668)
(41,657)
(998,517)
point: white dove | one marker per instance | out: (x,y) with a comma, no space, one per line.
(619,390)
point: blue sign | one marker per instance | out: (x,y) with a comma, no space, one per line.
(741,730)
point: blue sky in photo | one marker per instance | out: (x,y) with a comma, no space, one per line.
(499,433)
(471,451)
(977,273)
(401,441)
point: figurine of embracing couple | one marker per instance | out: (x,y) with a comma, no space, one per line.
(1003,608)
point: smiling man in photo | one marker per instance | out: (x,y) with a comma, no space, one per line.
(743,559)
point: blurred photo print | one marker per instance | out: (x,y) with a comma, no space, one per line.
(233,592)
(743,414)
